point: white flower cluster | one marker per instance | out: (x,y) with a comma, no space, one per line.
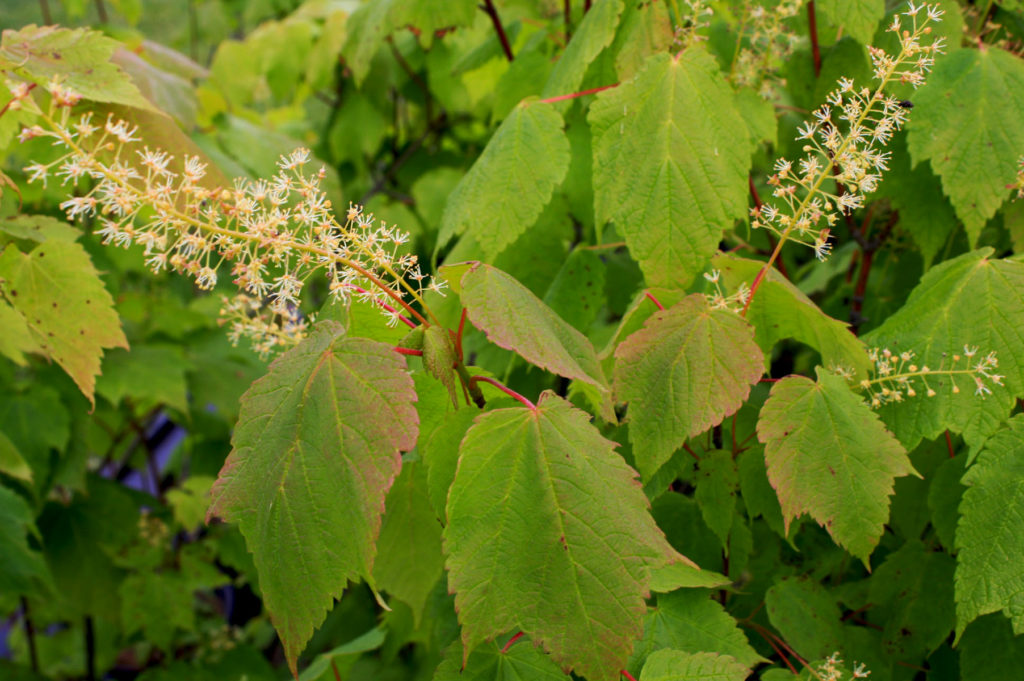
(897,376)
(843,142)
(271,234)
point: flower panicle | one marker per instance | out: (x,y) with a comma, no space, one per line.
(771,41)
(720,300)
(695,18)
(897,375)
(271,234)
(832,669)
(844,141)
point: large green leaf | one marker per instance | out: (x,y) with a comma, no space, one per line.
(780,310)
(717,484)
(858,18)
(989,538)
(314,453)
(489,662)
(515,319)
(79,57)
(507,188)
(806,616)
(409,560)
(969,122)
(675,665)
(669,167)
(973,300)
(690,621)
(687,369)
(22,570)
(595,32)
(828,455)
(991,650)
(65,305)
(548,532)
(149,374)
(913,596)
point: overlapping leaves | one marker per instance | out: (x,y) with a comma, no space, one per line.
(549,533)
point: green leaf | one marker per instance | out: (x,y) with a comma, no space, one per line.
(944,495)
(675,665)
(690,621)
(758,496)
(65,305)
(36,422)
(314,453)
(991,650)
(409,560)
(805,615)
(595,32)
(428,16)
(38,228)
(780,310)
(913,593)
(828,455)
(646,29)
(79,57)
(515,319)
(22,570)
(439,358)
(12,463)
(189,501)
(16,339)
(687,369)
(969,122)
(548,532)
(717,484)
(149,374)
(577,292)
(488,662)
(668,167)
(441,454)
(156,604)
(343,657)
(685,576)
(366,28)
(513,179)
(858,18)
(988,538)
(972,300)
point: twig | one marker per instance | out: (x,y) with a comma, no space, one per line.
(101,9)
(574,95)
(510,642)
(567,11)
(503,388)
(489,9)
(44,7)
(30,635)
(414,77)
(771,240)
(90,649)
(812,27)
(654,300)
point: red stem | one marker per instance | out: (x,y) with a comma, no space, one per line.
(31,87)
(654,300)
(769,380)
(690,451)
(949,444)
(405,320)
(628,676)
(503,388)
(458,336)
(812,26)
(408,351)
(574,95)
(567,10)
(586,6)
(511,641)
(753,288)
(771,240)
(489,9)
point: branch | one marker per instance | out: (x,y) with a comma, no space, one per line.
(812,27)
(489,9)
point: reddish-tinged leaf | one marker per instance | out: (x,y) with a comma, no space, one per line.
(515,319)
(829,455)
(548,532)
(688,368)
(315,451)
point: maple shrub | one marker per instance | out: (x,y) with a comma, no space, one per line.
(664,340)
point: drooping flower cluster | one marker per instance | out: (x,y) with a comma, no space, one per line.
(272,234)
(771,41)
(832,670)
(897,376)
(844,141)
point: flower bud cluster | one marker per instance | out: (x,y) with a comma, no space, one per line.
(771,42)
(694,19)
(1018,185)
(720,301)
(272,234)
(844,141)
(897,376)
